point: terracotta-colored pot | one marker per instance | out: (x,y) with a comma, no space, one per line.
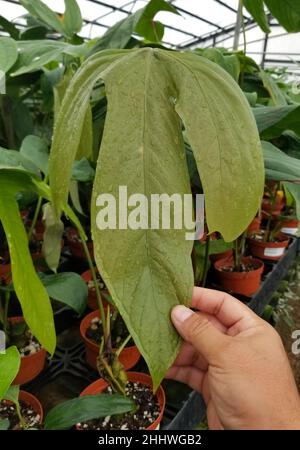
(267,207)
(244,283)
(92,298)
(128,357)
(290,227)
(254,226)
(31,365)
(32,401)
(271,251)
(76,246)
(100,385)
(225,255)
(5,272)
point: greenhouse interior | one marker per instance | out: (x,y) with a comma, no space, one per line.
(149,217)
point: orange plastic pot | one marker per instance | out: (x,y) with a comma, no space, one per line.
(244,283)
(100,385)
(92,297)
(128,357)
(217,256)
(290,227)
(271,251)
(32,365)
(254,226)
(76,246)
(5,272)
(275,209)
(33,402)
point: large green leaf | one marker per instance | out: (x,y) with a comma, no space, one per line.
(9,367)
(72,17)
(31,293)
(224,139)
(156,264)
(156,274)
(273,121)
(67,414)
(8,53)
(12,394)
(294,190)
(68,288)
(287,12)
(40,11)
(257,11)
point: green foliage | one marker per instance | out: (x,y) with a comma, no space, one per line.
(158,274)
(8,53)
(67,414)
(273,121)
(9,367)
(67,25)
(68,288)
(31,293)
(257,11)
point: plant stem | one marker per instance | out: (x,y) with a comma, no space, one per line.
(97,290)
(21,418)
(270,218)
(35,217)
(206,259)
(121,348)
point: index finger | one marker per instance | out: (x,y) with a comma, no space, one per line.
(227,309)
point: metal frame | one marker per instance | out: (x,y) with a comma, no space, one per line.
(214,38)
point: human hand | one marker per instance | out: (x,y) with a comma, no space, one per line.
(237,362)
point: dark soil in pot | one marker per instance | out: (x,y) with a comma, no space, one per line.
(119,332)
(31,412)
(147,411)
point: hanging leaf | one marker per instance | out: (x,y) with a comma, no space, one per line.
(72,20)
(151,30)
(9,367)
(143,137)
(8,53)
(12,394)
(74,195)
(68,288)
(272,87)
(67,414)
(287,12)
(223,130)
(54,229)
(257,11)
(31,293)
(85,149)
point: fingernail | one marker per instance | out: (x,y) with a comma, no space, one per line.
(181,313)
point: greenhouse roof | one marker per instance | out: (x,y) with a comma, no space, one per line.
(200,24)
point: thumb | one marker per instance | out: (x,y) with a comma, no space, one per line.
(198,331)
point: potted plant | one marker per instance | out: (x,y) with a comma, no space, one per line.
(92,297)
(20,410)
(240,275)
(91,331)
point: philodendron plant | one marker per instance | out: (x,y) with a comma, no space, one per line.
(152,94)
